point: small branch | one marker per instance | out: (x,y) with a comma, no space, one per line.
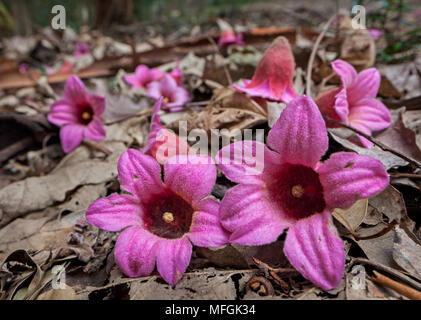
(227,74)
(313,54)
(376,142)
(142,113)
(405,175)
(400,288)
(97,146)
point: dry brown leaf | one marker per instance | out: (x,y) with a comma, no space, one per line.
(353,216)
(407,253)
(66,293)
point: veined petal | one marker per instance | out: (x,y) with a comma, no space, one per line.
(75,90)
(190,176)
(206,229)
(173,258)
(135,251)
(342,106)
(115,212)
(365,87)
(95,130)
(62,113)
(250,216)
(299,135)
(372,113)
(71,136)
(345,71)
(314,249)
(139,174)
(347,177)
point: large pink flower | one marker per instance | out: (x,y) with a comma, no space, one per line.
(162,144)
(354,102)
(296,191)
(160,219)
(273,78)
(78,114)
(143,76)
(174,97)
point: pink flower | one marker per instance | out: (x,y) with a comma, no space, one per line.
(23,68)
(354,102)
(272,79)
(81,49)
(143,76)
(229,38)
(177,74)
(160,219)
(78,114)
(162,144)
(375,33)
(296,191)
(174,97)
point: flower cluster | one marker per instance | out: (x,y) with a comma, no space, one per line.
(160,84)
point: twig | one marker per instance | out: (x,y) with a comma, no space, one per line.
(376,142)
(16,147)
(313,54)
(97,146)
(142,113)
(400,288)
(405,175)
(227,74)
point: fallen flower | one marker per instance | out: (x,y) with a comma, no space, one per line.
(160,219)
(81,49)
(354,103)
(296,191)
(177,74)
(375,33)
(143,76)
(162,143)
(228,36)
(273,78)
(78,114)
(174,97)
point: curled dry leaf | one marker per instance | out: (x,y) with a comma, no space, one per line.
(352,218)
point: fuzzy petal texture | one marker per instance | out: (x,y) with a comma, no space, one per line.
(62,113)
(191,177)
(95,130)
(313,248)
(173,258)
(246,161)
(71,136)
(372,113)
(114,213)
(299,135)
(250,216)
(135,251)
(347,177)
(365,87)
(345,71)
(206,230)
(341,106)
(139,174)
(75,90)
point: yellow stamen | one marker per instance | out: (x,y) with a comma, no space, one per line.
(166,100)
(86,116)
(297,191)
(168,217)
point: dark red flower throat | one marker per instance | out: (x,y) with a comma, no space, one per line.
(85,113)
(168,216)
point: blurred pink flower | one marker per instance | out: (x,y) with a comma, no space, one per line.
(23,68)
(81,49)
(162,144)
(354,102)
(177,74)
(375,33)
(160,219)
(143,76)
(296,191)
(229,38)
(78,114)
(273,78)
(174,97)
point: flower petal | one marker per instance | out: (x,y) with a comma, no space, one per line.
(95,130)
(364,129)
(97,103)
(299,135)
(71,136)
(114,212)
(345,71)
(75,91)
(173,258)
(372,113)
(62,113)
(135,251)
(245,161)
(133,81)
(326,103)
(139,174)
(192,177)
(341,105)
(347,177)
(154,90)
(246,212)
(206,230)
(365,87)
(313,248)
